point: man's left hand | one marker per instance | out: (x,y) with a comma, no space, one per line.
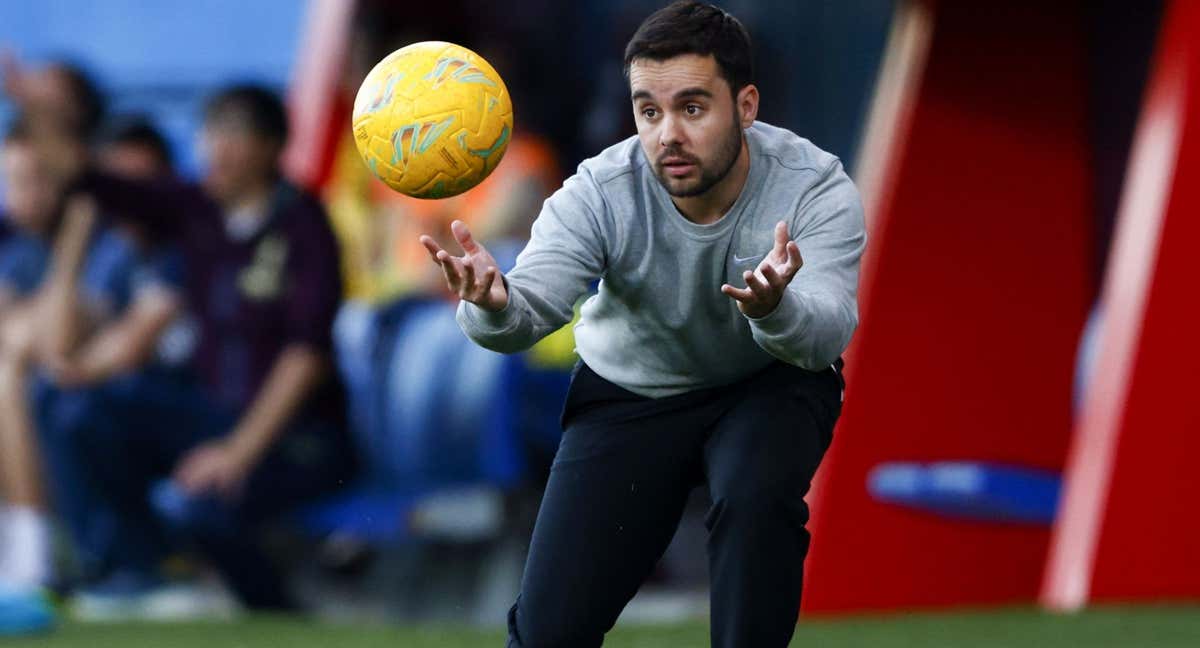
(765,286)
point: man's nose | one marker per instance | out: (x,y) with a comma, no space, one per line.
(671,134)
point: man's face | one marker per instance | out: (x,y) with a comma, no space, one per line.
(129,160)
(687,121)
(30,193)
(238,158)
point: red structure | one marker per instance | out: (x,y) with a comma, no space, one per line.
(974,294)
(1127,527)
(318,114)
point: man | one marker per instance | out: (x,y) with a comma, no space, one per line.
(261,429)
(708,354)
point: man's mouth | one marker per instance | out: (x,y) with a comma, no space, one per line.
(677,167)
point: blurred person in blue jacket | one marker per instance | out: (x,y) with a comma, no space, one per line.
(64,93)
(30,204)
(109,318)
(45,261)
(41,249)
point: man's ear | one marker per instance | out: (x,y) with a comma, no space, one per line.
(747,105)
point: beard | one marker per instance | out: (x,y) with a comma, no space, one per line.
(710,172)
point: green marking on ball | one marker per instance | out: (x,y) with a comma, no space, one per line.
(487,152)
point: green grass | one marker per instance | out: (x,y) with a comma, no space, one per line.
(1140,627)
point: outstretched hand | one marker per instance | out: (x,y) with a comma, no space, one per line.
(473,276)
(765,286)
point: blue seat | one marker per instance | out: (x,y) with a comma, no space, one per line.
(968,490)
(442,425)
(356,335)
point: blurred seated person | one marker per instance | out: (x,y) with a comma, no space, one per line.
(64,94)
(30,204)
(59,299)
(259,427)
(106,318)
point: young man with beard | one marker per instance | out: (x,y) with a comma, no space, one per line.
(709,355)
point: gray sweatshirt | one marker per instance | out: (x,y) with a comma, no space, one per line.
(659,324)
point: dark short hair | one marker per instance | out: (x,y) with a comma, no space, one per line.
(136,130)
(691,27)
(262,109)
(88,99)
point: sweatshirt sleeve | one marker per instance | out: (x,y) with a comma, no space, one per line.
(160,209)
(813,323)
(565,254)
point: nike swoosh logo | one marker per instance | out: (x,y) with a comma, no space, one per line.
(753,257)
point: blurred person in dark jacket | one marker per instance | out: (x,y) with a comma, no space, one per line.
(110,314)
(258,428)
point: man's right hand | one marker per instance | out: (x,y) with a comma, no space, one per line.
(472,276)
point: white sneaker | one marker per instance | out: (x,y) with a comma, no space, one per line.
(116,601)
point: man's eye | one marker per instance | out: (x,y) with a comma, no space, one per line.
(692,109)
(649,113)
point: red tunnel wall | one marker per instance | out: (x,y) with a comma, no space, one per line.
(977,297)
(1133,466)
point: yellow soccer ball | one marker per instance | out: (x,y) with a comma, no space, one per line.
(432,119)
